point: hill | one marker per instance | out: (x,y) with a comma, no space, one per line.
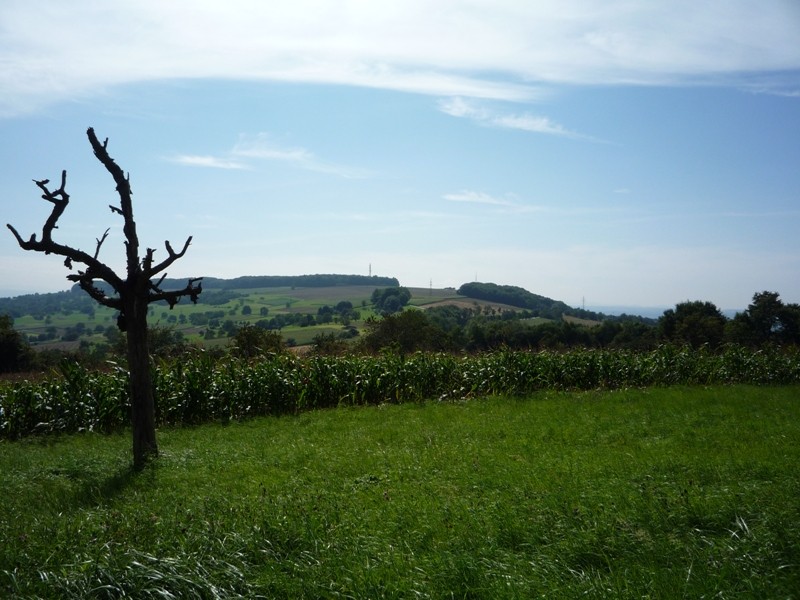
(518,297)
(75,300)
(300,307)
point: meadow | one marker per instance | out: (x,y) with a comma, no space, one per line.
(231,302)
(673,492)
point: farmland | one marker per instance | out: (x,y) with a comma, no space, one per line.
(506,474)
(199,387)
(236,306)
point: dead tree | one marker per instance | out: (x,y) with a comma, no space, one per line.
(131,295)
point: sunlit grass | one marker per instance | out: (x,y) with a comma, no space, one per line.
(664,493)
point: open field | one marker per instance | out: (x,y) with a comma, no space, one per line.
(681,492)
(229,305)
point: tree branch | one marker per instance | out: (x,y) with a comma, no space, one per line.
(100,242)
(60,199)
(86,283)
(173,256)
(173,297)
(138,288)
(126,205)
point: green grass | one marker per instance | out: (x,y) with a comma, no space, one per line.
(278,300)
(662,493)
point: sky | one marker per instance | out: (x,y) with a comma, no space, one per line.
(598,152)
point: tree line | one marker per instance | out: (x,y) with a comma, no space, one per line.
(766,321)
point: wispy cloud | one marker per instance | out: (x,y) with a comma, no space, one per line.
(508,203)
(511,204)
(776,92)
(478,198)
(251,149)
(214,162)
(263,147)
(476,49)
(459,107)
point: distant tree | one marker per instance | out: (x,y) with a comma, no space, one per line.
(324,314)
(228,327)
(113,335)
(344,307)
(70,334)
(767,320)
(247,310)
(328,344)
(390,300)
(131,295)
(164,342)
(15,353)
(250,341)
(695,323)
(408,331)
(635,335)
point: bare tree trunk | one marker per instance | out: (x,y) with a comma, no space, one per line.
(143,418)
(133,294)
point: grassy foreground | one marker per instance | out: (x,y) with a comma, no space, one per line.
(660,493)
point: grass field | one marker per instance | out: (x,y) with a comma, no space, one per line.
(277,300)
(657,493)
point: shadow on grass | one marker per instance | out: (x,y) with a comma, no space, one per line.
(95,489)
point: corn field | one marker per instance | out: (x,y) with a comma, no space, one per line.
(202,389)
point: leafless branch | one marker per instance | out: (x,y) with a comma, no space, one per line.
(138,285)
(126,205)
(173,297)
(171,258)
(60,199)
(157,285)
(100,243)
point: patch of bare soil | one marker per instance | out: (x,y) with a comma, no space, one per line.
(471,303)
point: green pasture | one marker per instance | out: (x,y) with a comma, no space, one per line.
(682,492)
(278,300)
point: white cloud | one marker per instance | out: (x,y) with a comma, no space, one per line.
(53,51)
(533,124)
(214,162)
(459,107)
(478,198)
(510,204)
(252,148)
(262,147)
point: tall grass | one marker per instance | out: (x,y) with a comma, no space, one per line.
(657,493)
(199,389)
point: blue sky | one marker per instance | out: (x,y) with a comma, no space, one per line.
(612,152)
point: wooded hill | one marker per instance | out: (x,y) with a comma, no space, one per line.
(216,291)
(519,297)
(301,307)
